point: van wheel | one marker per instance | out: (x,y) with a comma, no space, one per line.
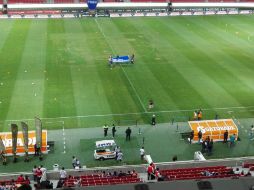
(101,158)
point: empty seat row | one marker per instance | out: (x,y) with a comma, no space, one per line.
(199,169)
(196,171)
(201,177)
(96,179)
(34,12)
(69,183)
(248,165)
(26,1)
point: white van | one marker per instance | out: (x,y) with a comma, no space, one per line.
(105,149)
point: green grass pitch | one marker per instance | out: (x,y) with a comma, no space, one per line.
(56,69)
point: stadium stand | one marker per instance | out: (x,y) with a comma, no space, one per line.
(174,1)
(145,1)
(198,173)
(64,1)
(26,1)
(34,12)
(188,1)
(248,165)
(221,1)
(94,180)
(109,1)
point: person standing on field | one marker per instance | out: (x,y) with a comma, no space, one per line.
(199,114)
(73,162)
(105,128)
(153,120)
(128,134)
(191,136)
(225,139)
(200,136)
(113,130)
(142,153)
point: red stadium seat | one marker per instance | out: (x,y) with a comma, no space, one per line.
(195,173)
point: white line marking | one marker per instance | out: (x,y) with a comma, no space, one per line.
(125,114)
(64,142)
(48,122)
(134,89)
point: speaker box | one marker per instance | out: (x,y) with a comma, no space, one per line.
(204,185)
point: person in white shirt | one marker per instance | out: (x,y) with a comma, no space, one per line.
(77,182)
(44,175)
(63,174)
(43,169)
(77,164)
(252,132)
(237,171)
(119,156)
(74,161)
(142,153)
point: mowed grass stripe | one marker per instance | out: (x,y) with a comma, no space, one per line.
(10,57)
(58,96)
(128,100)
(100,80)
(232,38)
(205,62)
(5,30)
(88,89)
(231,67)
(177,66)
(238,30)
(152,84)
(29,87)
(137,73)
(192,50)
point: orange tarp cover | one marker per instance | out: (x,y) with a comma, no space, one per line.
(213,128)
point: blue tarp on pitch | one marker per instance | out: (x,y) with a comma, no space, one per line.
(121,59)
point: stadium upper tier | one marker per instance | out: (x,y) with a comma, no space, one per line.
(142,1)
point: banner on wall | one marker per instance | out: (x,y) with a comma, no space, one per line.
(38,127)
(7,142)
(14,132)
(25,135)
(2,147)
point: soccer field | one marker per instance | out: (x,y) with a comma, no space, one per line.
(57,69)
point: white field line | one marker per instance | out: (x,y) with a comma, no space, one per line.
(63,134)
(133,113)
(132,86)
(64,140)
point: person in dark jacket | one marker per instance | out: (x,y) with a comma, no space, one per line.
(225,139)
(128,134)
(113,130)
